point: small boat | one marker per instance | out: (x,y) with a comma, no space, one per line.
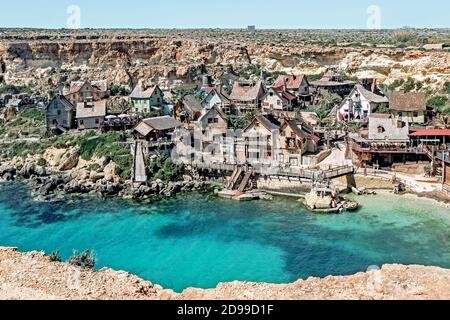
(350,205)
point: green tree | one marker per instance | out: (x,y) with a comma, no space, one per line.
(437,101)
(118,90)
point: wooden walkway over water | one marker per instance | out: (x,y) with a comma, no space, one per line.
(310,174)
(139,173)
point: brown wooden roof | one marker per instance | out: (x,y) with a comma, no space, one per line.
(407,101)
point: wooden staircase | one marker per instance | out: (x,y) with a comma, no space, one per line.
(240,179)
(245,181)
(234,178)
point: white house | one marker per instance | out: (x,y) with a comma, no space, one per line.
(360,104)
(216,98)
(275,100)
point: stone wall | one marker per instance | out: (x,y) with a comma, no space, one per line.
(284,184)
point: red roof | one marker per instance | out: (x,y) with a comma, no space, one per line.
(291,81)
(288,95)
(431,132)
(208,88)
(315,138)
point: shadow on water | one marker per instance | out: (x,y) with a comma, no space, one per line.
(33,213)
(311,244)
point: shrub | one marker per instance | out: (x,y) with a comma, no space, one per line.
(94,167)
(163,168)
(34,114)
(118,90)
(12,89)
(314,77)
(55,256)
(105,146)
(42,162)
(446,88)
(250,70)
(437,101)
(396,84)
(409,85)
(85,260)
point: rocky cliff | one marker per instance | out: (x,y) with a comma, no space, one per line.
(48,58)
(33,276)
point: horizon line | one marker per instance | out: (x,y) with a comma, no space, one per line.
(227,28)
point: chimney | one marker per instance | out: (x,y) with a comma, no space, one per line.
(374,85)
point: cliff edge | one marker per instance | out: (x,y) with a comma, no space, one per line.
(33,276)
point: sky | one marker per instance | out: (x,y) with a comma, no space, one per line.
(264,14)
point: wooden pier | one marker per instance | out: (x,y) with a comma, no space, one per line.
(309,174)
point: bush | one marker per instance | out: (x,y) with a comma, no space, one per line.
(396,84)
(437,101)
(94,167)
(55,256)
(241,122)
(163,168)
(34,114)
(250,70)
(105,146)
(42,162)
(446,88)
(85,260)
(117,90)
(409,85)
(12,89)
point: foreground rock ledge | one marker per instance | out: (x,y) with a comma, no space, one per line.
(33,276)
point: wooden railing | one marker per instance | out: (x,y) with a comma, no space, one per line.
(310,174)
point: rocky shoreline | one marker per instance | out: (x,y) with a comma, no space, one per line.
(65,174)
(33,275)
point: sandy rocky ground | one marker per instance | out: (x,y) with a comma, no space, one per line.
(32,276)
(44,59)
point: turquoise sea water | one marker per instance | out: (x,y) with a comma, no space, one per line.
(199,240)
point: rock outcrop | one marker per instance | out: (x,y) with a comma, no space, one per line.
(46,59)
(33,276)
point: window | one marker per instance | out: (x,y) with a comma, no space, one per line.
(97,121)
(381,129)
(415,114)
(55,122)
(81,122)
(278,102)
(400,114)
(59,112)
